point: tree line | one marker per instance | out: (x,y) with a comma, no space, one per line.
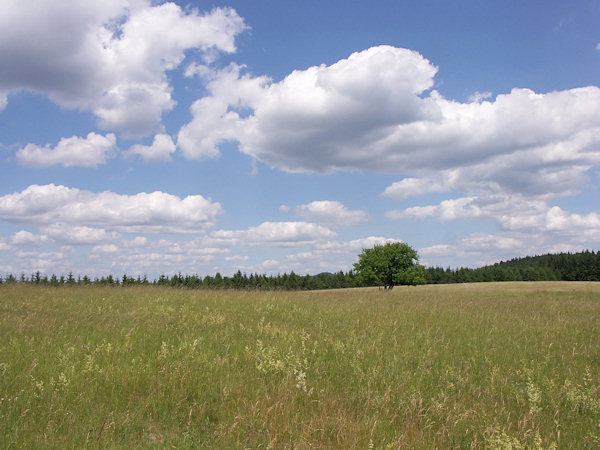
(239,280)
(582,266)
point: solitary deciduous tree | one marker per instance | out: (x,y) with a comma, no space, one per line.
(389,265)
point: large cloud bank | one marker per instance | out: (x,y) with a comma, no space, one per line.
(106,56)
(376,110)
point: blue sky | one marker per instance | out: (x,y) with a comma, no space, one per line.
(148,137)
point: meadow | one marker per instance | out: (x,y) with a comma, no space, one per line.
(489,365)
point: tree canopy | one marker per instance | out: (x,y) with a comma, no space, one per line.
(394,263)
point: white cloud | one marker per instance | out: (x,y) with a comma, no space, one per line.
(160,150)
(106,248)
(45,262)
(483,242)
(354,246)
(478,249)
(287,234)
(269,234)
(409,187)
(331,213)
(479,96)
(557,219)
(212,124)
(436,250)
(308,120)
(511,212)
(144,256)
(217,118)
(27,238)
(109,57)
(337,248)
(156,212)
(221,250)
(138,241)
(162,256)
(236,258)
(374,111)
(78,235)
(465,207)
(598,46)
(74,151)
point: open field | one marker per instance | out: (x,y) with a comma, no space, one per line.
(496,365)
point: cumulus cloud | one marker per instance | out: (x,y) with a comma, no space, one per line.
(142,256)
(306,121)
(236,258)
(478,249)
(353,246)
(45,262)
(155,212)
(203,252)
(511,212)
(27,238)
(213,124)
(336,248)
(74,151)
(409,187)
(270,234)
(109,57)
(161,149)
(331,213)
(287,234)
(78,235)
(313,248)
(545,172)
(220,116)
(106,248)
(374,111)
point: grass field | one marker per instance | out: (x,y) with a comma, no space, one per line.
(510,365)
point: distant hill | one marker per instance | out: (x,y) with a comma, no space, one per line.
(582,266)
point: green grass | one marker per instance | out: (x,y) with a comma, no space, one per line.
(510,365)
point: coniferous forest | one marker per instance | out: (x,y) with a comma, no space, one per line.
(582,266)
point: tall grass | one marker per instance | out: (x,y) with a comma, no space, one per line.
(511,365)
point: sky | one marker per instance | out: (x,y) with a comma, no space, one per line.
(151,137)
